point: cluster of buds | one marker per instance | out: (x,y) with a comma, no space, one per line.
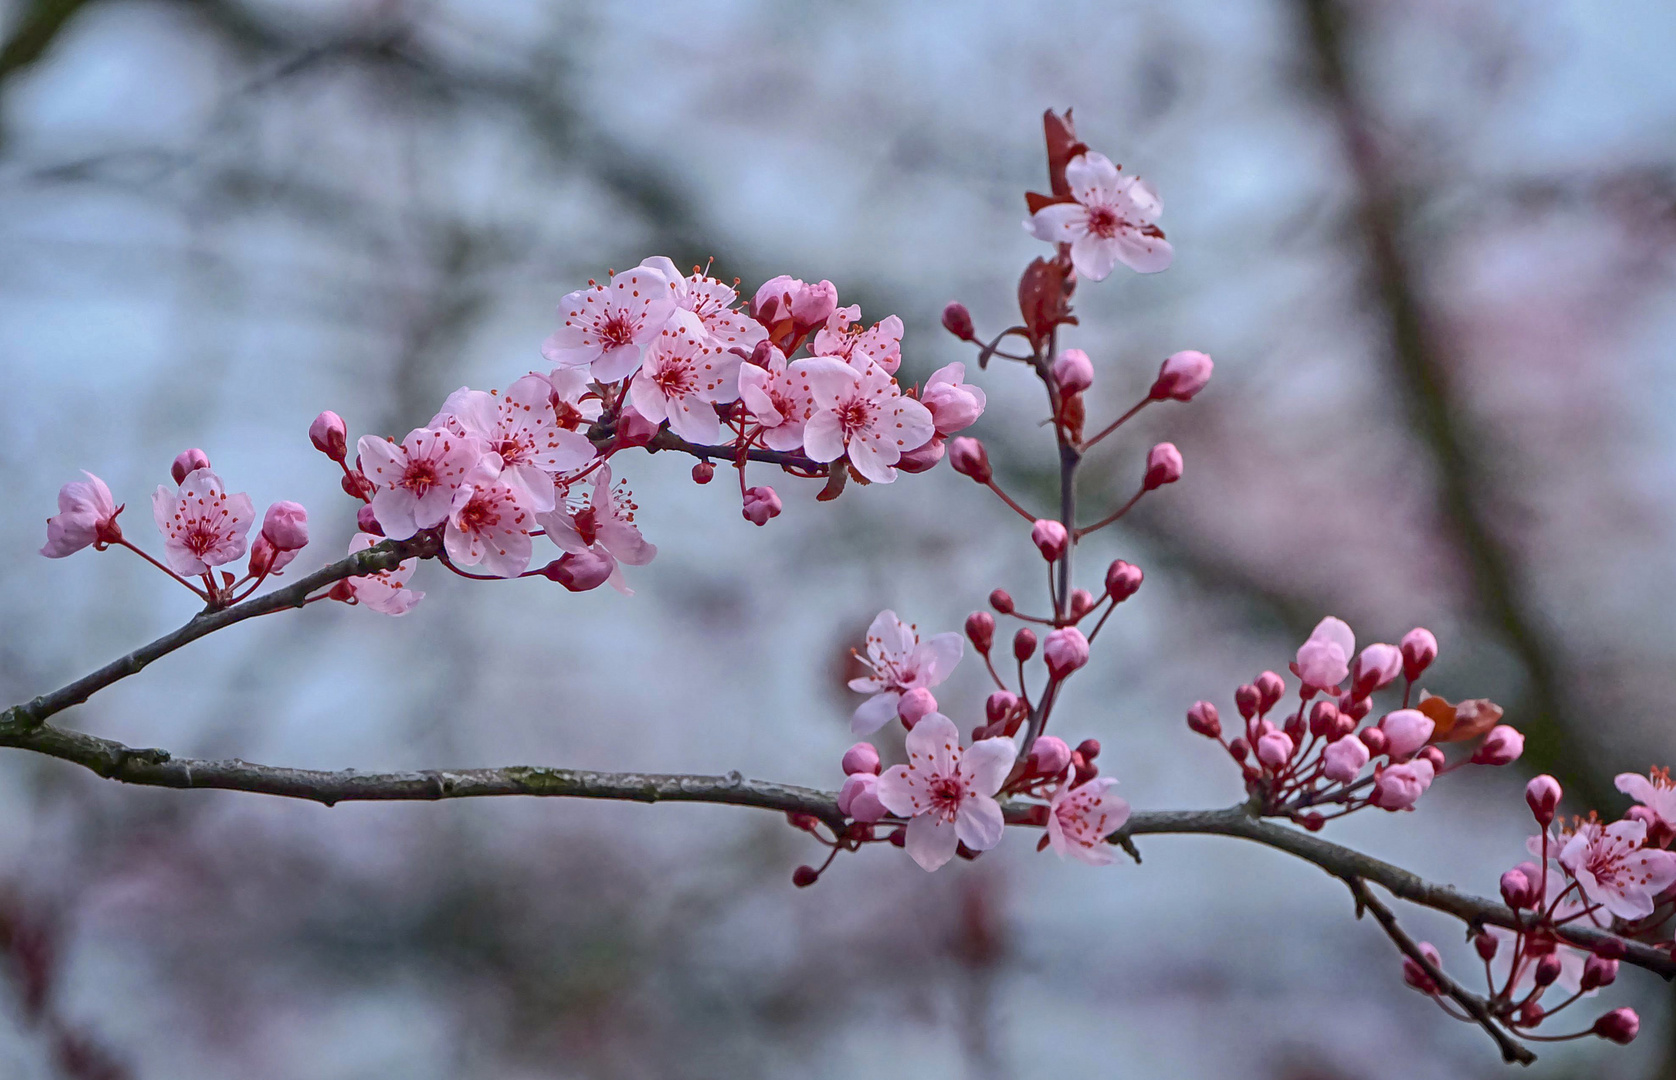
(1619,877)
(1312,765)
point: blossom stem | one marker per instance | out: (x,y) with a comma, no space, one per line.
(125,542)
(1087,444)
(1008,499)
(1109,518)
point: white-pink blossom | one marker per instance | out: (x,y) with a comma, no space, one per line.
(1615,867)
(202,525)
(779,397)
(954,404)
(522,426)
(415,479)
(899,662)
(845,336)
(712,301)
(607,327)
(1110,222)
(868,418)
(574,405)
(385,591)
(947,794)
(1080,818)
(602,522)
(490,522)
(1654,791)
(683,377)
(1324,660)
(86,514)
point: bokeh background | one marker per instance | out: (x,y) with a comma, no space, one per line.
(1429,244)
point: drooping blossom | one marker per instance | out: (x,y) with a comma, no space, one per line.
(868,418)
(761,504)
(490,522)
(1615,867)
(607,327)
(1324,660)
(1110,222)
(1655,792)
(844,336)
(1080,818)
(599,521)
(575,406)
(899,662)
(202,525)
(954,404)
(1344,759)
(713,302)
(415,479)
(385,591)
(779,398)
(522,427)
(86,515)
(789,308)
(948,794)
(683,377)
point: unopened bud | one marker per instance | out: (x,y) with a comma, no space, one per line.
(1024,644)
(188,461)
(958,321)
(1082,602)
(1620,1025)
(1163,466)
(863,757)
(703,472)
(923,458)
(1239,748)
(580,571)
(805,876)
(1073,372)
(1270,689)
(1543,795)
(633,429)
(968,458)
(1181,376)
(1323,720)
(1597,972)
(1203,718)
(1530,1014)
(1001,601)
(1247,699)
(1089,749)
(1486,945)
(1548,969)
(367,521)
(1049,755)
(980,630)
(761,504)
(1050,538)
(1419,649)
(329,435)
(1373,739)
(1500,747)
(1123,580)
(915,705)
(357,486)
(998,705)
(286,526)
(1517,889)
(1275,749)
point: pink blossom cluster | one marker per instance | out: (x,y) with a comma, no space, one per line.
(1311,762)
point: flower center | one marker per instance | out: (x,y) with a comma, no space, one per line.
(200,539)
(419,477)
(675,379)
(855,415)
(569,416)
(946,793)
(512,451)
(586,521)
(1103,221)
(616,330)
(479,515)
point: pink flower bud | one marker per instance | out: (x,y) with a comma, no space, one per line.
(366,520)
(859,798)
(1502,745)
(1548,970)
(968,458)
(922,458)
(1374,739)
(1377,667)
(703,472)
(1089,749)
(1323,720)
(1516,889)
(1001,601)
(805,876)
(1543,796)
(863,757)
(1620,1026)
(1163,466)
(634,429)
(1203,718)
(1433,755)
(580,571)
(915,705)
(1486,945)
(1598,971)
(1246,700)
(1344,759)
(1415,975)
(1270,689)
(761,504)
(1085,770)
(1024,644)
(329,435)
(998,705)
(814,303)
(286,526)
(1082,602)
(356,486)
(980,629)
(958,321)
(1181,376)
(1406,731)
(1073,372)
(1239,748)
(1050,538)
(1400,786)
(1419,649)
(1274,750)
(1049,756)
(1066,651)
(1123,580)
(262,556)
(188,461)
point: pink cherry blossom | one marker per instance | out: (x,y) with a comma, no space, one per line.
(1376,668)
(1654,791)
(1616,869)
(415,480)
(86,515)
(202,525)
(522,426)
(789,308)
(607,327)
(1181,376)
(601,522)
(868,418)
(683,376)
(899,662)
(954,404)
(1406,731)
(1324,660)
(947,794)
(490,522)
(859,797)
(386,591)
(1110,222)
(1344,759)
(284,533)
(1275,749)
(713,303)
(1398,787)
(779,398)
(1080,818)
(845,337)
(574,405)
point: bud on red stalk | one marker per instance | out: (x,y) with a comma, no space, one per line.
(1073,372)
(761,504)
(1620,1025)
(1246,699)
(1500,747)
(1374,740)
(1181,376)
(1024,644)
(980,630)
(1049,756)
(1517,889)
(1548,969)
(1270,689)
(1543,796)
(958,321)
(1597,972)
(1323,720)
(923,458)
(329,435)
(1066,651)
(1082,602)
(1001,601)
(367,521)
(188,461)
(968,458)
(805,876)
(1202,718)
(1163,466)
(1435,756)
(1239,748)
(863,757)
(1050,538)
(1419,649)
(1486,944)
(1089,749)
(915,705)
(1123,580)
(357,486)
(1531,1013)
(998,705)
(703,472)
(580,572)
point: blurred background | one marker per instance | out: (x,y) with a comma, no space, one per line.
(1429,244)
